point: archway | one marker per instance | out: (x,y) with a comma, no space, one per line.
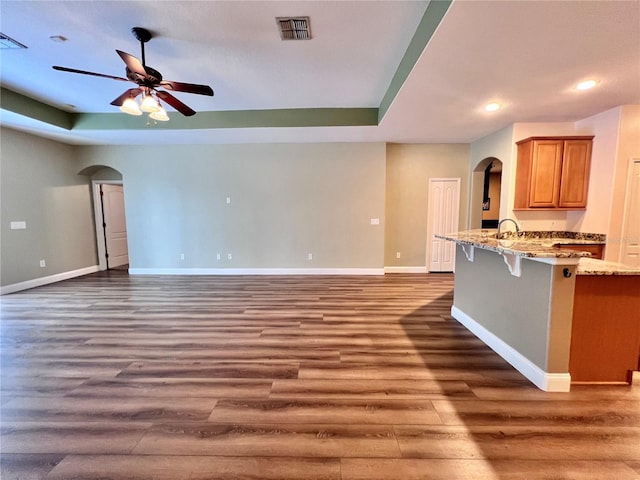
(107,190)
(486,183)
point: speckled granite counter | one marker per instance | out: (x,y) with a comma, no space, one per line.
(526,244)
(544,244)
(593,266)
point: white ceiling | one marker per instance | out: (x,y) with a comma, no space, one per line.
(527,55)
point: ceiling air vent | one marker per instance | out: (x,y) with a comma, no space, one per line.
(294,28)
(7,42)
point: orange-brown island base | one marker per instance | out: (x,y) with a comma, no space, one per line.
(605,333)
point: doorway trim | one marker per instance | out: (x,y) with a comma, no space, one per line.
(456,213)
(99,220)
(626,213)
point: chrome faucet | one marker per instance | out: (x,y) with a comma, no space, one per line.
(506,220)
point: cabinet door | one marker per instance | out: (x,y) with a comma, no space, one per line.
(545,173)
(575,174)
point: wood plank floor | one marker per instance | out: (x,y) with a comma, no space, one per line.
(115,377)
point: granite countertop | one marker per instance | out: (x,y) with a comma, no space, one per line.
(525,244)
(544,244)
(593,266)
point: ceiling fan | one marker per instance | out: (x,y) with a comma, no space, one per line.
(149,81)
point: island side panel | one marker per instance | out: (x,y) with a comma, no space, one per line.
(530,313)
(605,342)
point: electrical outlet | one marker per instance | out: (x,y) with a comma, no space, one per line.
(397,254)
(182,256)
(218,256)
(309,256)
(375,221)
(229,256)
(228,200)
(43,264)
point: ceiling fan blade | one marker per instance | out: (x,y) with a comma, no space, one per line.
(175,103)
(133,64)
(187,87)
(83,72)
(131,93)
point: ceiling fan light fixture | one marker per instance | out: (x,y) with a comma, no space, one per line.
(160,115)
(131,107)
(149,104)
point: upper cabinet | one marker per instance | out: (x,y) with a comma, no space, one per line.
(553,173)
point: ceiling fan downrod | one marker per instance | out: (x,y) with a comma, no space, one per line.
(143,35)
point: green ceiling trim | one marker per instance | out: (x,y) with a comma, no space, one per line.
(28,107)
(295,117)
(432,17)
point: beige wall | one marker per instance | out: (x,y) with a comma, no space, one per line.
(287,200)
(40,186)
(409,168)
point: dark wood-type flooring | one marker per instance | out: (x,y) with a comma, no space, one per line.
(115,377)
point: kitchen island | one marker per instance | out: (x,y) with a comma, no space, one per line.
(517,295)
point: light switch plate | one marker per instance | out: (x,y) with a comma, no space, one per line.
(18,225)
(375,221)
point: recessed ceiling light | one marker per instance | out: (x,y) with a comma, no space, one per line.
(492,107)
(586,85)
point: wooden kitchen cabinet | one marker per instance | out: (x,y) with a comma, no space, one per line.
(553,173)
(595,249)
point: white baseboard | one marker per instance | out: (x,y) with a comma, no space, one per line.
(549,382)
(38,282)
(256,271)
(405,270)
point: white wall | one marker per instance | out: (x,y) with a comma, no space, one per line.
(497,145)
(605,127)
(617,140)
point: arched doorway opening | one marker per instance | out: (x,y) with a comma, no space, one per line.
(107,190)
(486,193)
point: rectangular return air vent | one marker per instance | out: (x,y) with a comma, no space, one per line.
(7,42)
(294,28)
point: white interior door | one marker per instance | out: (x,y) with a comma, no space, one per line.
(115,228)
(631,226)
(443,211)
